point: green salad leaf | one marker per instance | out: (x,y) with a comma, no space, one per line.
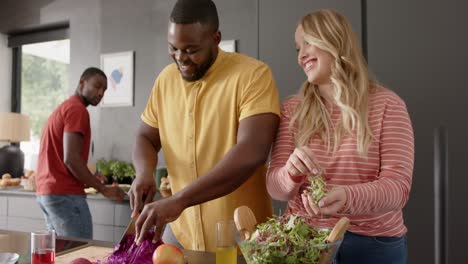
(316,189)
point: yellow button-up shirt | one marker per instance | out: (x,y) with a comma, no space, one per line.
(198,124)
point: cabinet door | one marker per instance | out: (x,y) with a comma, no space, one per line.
(102,211)
(122,214)
(277,24)
(103,232)
(24,206)
(418,49)
(25,224)
(3,222)
(3,205)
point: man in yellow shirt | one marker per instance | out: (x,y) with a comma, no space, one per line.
(214,114)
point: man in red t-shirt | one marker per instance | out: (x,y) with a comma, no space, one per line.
(62,171)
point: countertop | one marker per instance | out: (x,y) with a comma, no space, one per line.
(19,242)
(20,191)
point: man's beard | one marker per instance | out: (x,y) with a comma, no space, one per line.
(200,70)
(91,101)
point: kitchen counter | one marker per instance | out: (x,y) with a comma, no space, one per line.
(22,192)
(19,242)
(19,211)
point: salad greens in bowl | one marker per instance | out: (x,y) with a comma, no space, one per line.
(289,240)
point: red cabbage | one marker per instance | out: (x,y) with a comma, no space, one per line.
(128,252)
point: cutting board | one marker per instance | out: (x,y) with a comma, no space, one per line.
(92,253)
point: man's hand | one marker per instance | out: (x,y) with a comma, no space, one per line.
(301,162)
(157,214)
(329,205)
(113,193)
(101,178)
(141,187)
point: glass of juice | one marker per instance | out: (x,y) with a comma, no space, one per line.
(226,248)
(43,247)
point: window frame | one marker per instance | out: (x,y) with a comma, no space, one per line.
(17,39)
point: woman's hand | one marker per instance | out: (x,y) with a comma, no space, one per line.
(331,204)
(301,162)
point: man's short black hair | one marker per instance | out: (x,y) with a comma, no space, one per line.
(193,11)
(90,72)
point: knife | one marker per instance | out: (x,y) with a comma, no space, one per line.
(130,229)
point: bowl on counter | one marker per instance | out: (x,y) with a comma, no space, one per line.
(286,239)
(257,253)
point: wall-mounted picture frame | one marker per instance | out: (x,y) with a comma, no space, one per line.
(228,45)
(119,68)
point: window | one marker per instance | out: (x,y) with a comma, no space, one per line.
(44,85)
(41,62)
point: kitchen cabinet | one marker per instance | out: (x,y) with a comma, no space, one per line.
(3,212)
(19,211)
(418,49)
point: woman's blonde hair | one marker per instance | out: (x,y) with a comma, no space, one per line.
(330,31)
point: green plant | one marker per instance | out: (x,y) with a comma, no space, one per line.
(103,167)
(317,188)
(118,170)
(122,169)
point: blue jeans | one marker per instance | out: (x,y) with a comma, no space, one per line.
(372,250)
(68,215)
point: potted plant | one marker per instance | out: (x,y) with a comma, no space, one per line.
(116,171)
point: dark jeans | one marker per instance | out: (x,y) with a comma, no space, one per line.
(357,249)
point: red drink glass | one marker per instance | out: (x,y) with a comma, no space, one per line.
(43,247)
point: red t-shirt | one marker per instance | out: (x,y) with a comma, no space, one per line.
(53,177)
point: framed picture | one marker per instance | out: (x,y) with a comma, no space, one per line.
(119,68)
(228,45)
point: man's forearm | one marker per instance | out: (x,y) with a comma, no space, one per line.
(235,168)
(144,157)
(81,172)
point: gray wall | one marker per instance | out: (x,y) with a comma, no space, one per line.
(140,27)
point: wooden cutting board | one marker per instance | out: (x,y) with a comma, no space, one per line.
(92,253)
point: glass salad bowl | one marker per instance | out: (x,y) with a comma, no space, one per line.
(288,239)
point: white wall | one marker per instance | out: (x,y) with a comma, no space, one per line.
(5,74)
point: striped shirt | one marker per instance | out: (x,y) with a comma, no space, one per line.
(377,187)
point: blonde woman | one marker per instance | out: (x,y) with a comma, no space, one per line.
(356,134)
